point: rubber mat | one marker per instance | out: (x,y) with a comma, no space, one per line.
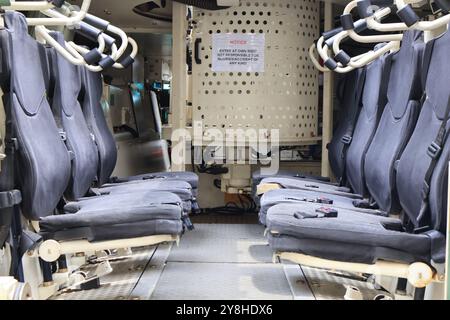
(228,243)
(222,281)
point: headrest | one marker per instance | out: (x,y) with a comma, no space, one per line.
(437,80)
(29,75)
(404,84)
(68,77)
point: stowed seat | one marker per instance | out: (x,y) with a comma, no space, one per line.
(372,106)
(420,234)
(92,86)
(45,164)
(350,102)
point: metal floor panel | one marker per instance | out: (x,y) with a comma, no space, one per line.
(117,285)
(228,243)
(326,285)
(222,281)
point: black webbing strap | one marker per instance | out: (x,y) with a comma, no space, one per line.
(348,136)
(428,52)
(434,151)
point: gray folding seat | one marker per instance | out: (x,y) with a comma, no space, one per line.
(387,113)
(372,105)
(44,163)
(91,104)
(64,93)
(421,181)
(350,102)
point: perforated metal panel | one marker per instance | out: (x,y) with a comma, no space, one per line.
(283,97)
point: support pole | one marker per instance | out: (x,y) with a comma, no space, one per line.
(328,97)
(179,80)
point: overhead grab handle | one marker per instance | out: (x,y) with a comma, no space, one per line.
(73,20)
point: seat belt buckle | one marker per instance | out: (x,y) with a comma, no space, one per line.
(328,212)
(346,139)
(434,150)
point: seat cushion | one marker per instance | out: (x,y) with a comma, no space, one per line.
(274,197)
(312,185)
(119,216)
(180,188)
(189,177)
(351,237)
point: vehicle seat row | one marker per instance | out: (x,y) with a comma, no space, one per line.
(53,164)
(389,108)
(418,233)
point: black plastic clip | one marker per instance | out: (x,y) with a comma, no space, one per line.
(323,200)
(328,212)
(346,139)
(434,150)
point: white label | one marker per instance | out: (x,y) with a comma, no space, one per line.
(238,52)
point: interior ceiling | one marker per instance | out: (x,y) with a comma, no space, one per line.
(120,13)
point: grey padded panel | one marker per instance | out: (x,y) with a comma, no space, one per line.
(117,217)
(397,122)
(343,237)
(92,85)
(274,197)
(66,107)
(43,161)
(373,102)
(119,231)
(180,188)
(350,107)
(415,162)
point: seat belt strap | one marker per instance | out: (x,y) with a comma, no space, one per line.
(421,224)
(434,151)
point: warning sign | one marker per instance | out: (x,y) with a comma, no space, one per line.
(238,52)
